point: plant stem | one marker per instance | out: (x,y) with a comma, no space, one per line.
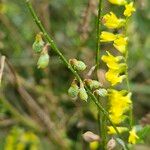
(127,81)
(98,35)
(101,118)
(56,50)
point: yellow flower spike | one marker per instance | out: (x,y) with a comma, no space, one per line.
(111,130)
(107,37)
(111,21)
(113,77)
(129,9)
(112,61)
(133,136)
(121,43)
(123,103)
(118,2)
(94,145)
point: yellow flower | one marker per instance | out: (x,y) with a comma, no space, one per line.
(107,37)
(118,2)
(115,68)
(129,9)
(120,102)
(113,76)
(112,61)
(133,136)
(112,22)
(94,145)
(121,43)
(111,129)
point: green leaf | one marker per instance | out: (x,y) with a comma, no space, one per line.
(143,132)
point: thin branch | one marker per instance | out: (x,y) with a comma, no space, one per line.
(56,50)
(98,35)
(2,67)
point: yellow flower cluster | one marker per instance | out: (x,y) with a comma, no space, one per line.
(120,102)
(115,74)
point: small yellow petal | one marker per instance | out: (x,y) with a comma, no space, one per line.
(118,2)
(133,136)
(107,36)
(121,43)
(129,9)
(111,129)
(111,21)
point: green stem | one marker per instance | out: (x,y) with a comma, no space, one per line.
(101,118)
(98,35)
(56,50)
(127,81)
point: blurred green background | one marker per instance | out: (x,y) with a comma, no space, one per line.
(40,115)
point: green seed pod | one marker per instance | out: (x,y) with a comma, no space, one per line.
(93,84)
(38,44)
(73,90)
(83,94)
(43,61)
(78,65)
(102,92)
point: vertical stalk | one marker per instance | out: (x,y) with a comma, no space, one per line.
(98,35)
(127,81)
(101,118)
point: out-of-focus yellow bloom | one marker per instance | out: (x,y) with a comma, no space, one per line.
(113,76)
(121,43)
(107,36)
(129,9)
(3,8)
(119,102)
(112,61)
(94,145)
(118,2)
(111,129)
(111,21)
(133,136)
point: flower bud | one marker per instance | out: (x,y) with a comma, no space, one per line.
(43,60)
(101,92)
(111,144)
(90,137)
(93,84)
(83,94)
(78,65)
(38,44)
(73,90)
